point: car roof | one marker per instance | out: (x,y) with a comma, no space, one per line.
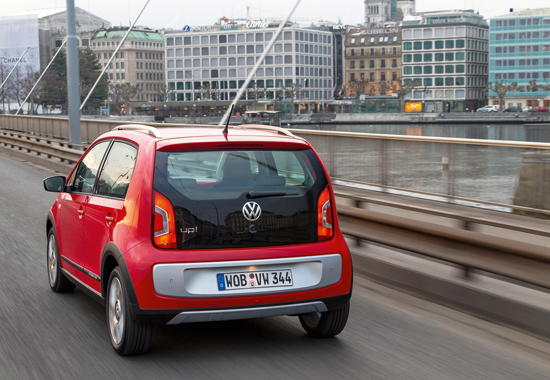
(204,136)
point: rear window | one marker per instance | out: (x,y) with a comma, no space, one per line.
(208,190)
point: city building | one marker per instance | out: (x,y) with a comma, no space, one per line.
(445,54)
(339,33)
(373,58)
(52,29)
(520,52)
(212,62)
(378,12)
(140,61)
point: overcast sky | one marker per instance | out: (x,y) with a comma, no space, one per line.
(177,13)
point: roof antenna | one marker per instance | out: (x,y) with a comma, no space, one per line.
(228,118)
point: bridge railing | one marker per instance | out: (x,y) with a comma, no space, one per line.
(503,174)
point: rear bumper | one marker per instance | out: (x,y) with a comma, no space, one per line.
(186,281)
(172,317)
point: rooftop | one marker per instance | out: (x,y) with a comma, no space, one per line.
(528,12)
(118,34)
(369,37)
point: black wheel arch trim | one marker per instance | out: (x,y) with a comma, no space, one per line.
(112,250)
(51,219)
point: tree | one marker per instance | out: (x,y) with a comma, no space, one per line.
(255,92)
(208,92)
(55,80)
(358,87)
(90,69)
(4,70)
(292,91)
(403,87)
(163,93)
(384,87)
(14,87)
(127,92)
(27,84)
(535,86)
(502,88)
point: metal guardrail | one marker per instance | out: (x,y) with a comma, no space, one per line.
(42,146)
(525,262)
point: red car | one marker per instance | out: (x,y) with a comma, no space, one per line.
(178,225)
(538,109)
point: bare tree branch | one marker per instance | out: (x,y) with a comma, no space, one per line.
(502,88)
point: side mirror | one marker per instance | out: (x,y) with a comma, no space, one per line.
(55,184)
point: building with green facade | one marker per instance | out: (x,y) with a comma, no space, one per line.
(445,53)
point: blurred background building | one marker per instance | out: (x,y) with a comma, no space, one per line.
(139,62)
(520,52)
(446,55)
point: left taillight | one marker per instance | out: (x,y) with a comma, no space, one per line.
(325,223)
(164,231)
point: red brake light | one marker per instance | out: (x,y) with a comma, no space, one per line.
(164,223)
(324,216)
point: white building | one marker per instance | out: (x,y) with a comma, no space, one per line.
(445,53)
(220,57)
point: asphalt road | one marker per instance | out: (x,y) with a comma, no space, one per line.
(390,335)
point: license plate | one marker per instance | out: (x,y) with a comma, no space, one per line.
(261,279)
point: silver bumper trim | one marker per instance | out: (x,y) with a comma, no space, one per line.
(198,280)
(247,313)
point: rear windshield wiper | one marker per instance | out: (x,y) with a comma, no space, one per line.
(255,194)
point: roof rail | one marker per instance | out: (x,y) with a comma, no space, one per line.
(265,127)
(137,127)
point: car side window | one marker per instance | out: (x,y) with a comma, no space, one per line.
(87,169)
(117,171)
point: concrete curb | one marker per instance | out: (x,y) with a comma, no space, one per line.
(492,299)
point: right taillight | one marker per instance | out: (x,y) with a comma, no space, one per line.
(164,223)
(324,217)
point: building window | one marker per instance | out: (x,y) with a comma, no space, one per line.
(372,77)
(382,76)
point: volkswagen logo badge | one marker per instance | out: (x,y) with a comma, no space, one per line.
(252,211)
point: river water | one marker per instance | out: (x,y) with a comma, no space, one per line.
(489,131)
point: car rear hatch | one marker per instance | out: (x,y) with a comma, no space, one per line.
(237,198)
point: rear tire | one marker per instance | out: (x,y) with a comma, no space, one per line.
(127,336)
(57,280)
(327,324)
